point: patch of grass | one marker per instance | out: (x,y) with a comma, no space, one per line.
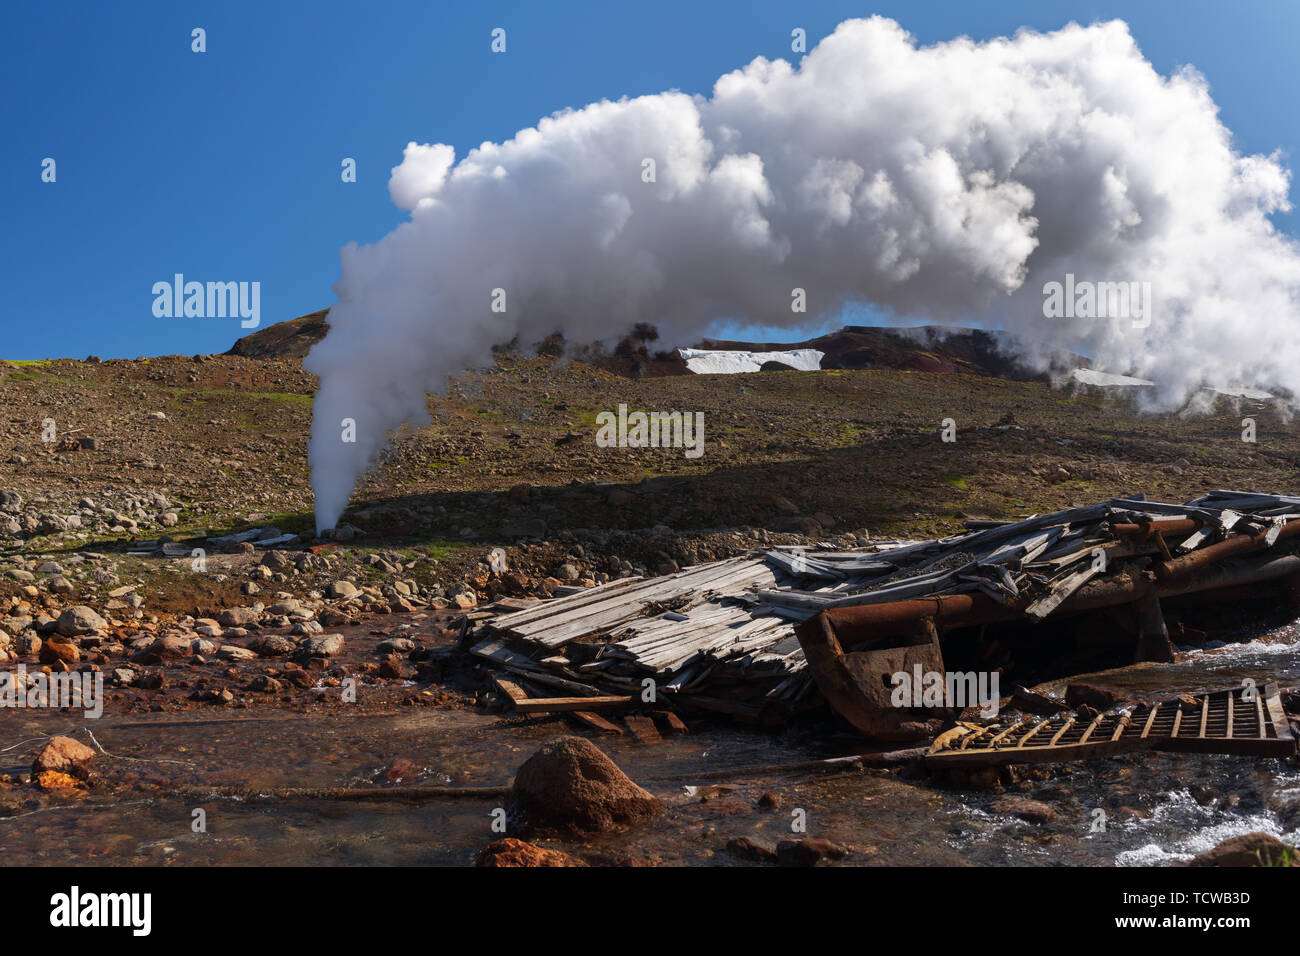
(26,370)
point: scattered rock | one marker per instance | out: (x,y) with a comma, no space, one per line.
(240,616)
(1031,811)
(808,852)
(752,850)
(78,620)
(342,589)
(1249,849)
(323,645)
(1100,698)
(55,650)
(512,852)
(275,645)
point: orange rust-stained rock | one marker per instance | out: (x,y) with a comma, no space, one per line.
(54,650)
(55,781)
(569,784)
(512,852)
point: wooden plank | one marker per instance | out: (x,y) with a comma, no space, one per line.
(1151,719)
(604,615)
(1033,730)
(1049,602)
(1017,725)
(1096,721)
(1281,725)
(510,689)
(1121,725)
(1069,722)
(546,608)
(597,722)
(643,729)
(569,704)
(675,724)
(1207,738)
(550,680)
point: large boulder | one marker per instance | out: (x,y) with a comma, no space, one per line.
(1249,849)
(569,784)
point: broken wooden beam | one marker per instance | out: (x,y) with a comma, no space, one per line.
(534,705)
(597,722)
(643,729)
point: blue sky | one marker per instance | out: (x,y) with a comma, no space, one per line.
(225,165)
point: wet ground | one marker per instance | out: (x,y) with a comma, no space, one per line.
(1136,809)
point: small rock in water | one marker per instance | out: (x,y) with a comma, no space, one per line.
(325,645)
(808,852)
(64,755)
(1249,849)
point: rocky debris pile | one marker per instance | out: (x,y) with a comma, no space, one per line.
(86,517)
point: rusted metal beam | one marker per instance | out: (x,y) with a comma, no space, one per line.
(848,648)
(1158,526)
(855,683)
(1237,544)
(855,625)
(1153,642)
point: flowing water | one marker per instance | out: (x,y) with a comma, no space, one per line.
(1154,808)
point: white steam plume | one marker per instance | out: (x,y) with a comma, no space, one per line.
(951,181)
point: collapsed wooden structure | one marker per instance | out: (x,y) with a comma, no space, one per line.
(763,635)
(1248,721)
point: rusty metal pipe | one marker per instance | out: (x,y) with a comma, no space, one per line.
(1229,547)
(856,624)
(1165,526)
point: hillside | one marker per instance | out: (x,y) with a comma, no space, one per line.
(921,349)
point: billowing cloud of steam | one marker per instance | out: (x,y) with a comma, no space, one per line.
(950,181)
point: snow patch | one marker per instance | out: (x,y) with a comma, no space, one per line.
(1090,376)
(722,362)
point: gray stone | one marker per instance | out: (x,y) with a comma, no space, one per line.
(79,620)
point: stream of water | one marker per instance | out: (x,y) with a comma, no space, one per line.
(1158,808)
